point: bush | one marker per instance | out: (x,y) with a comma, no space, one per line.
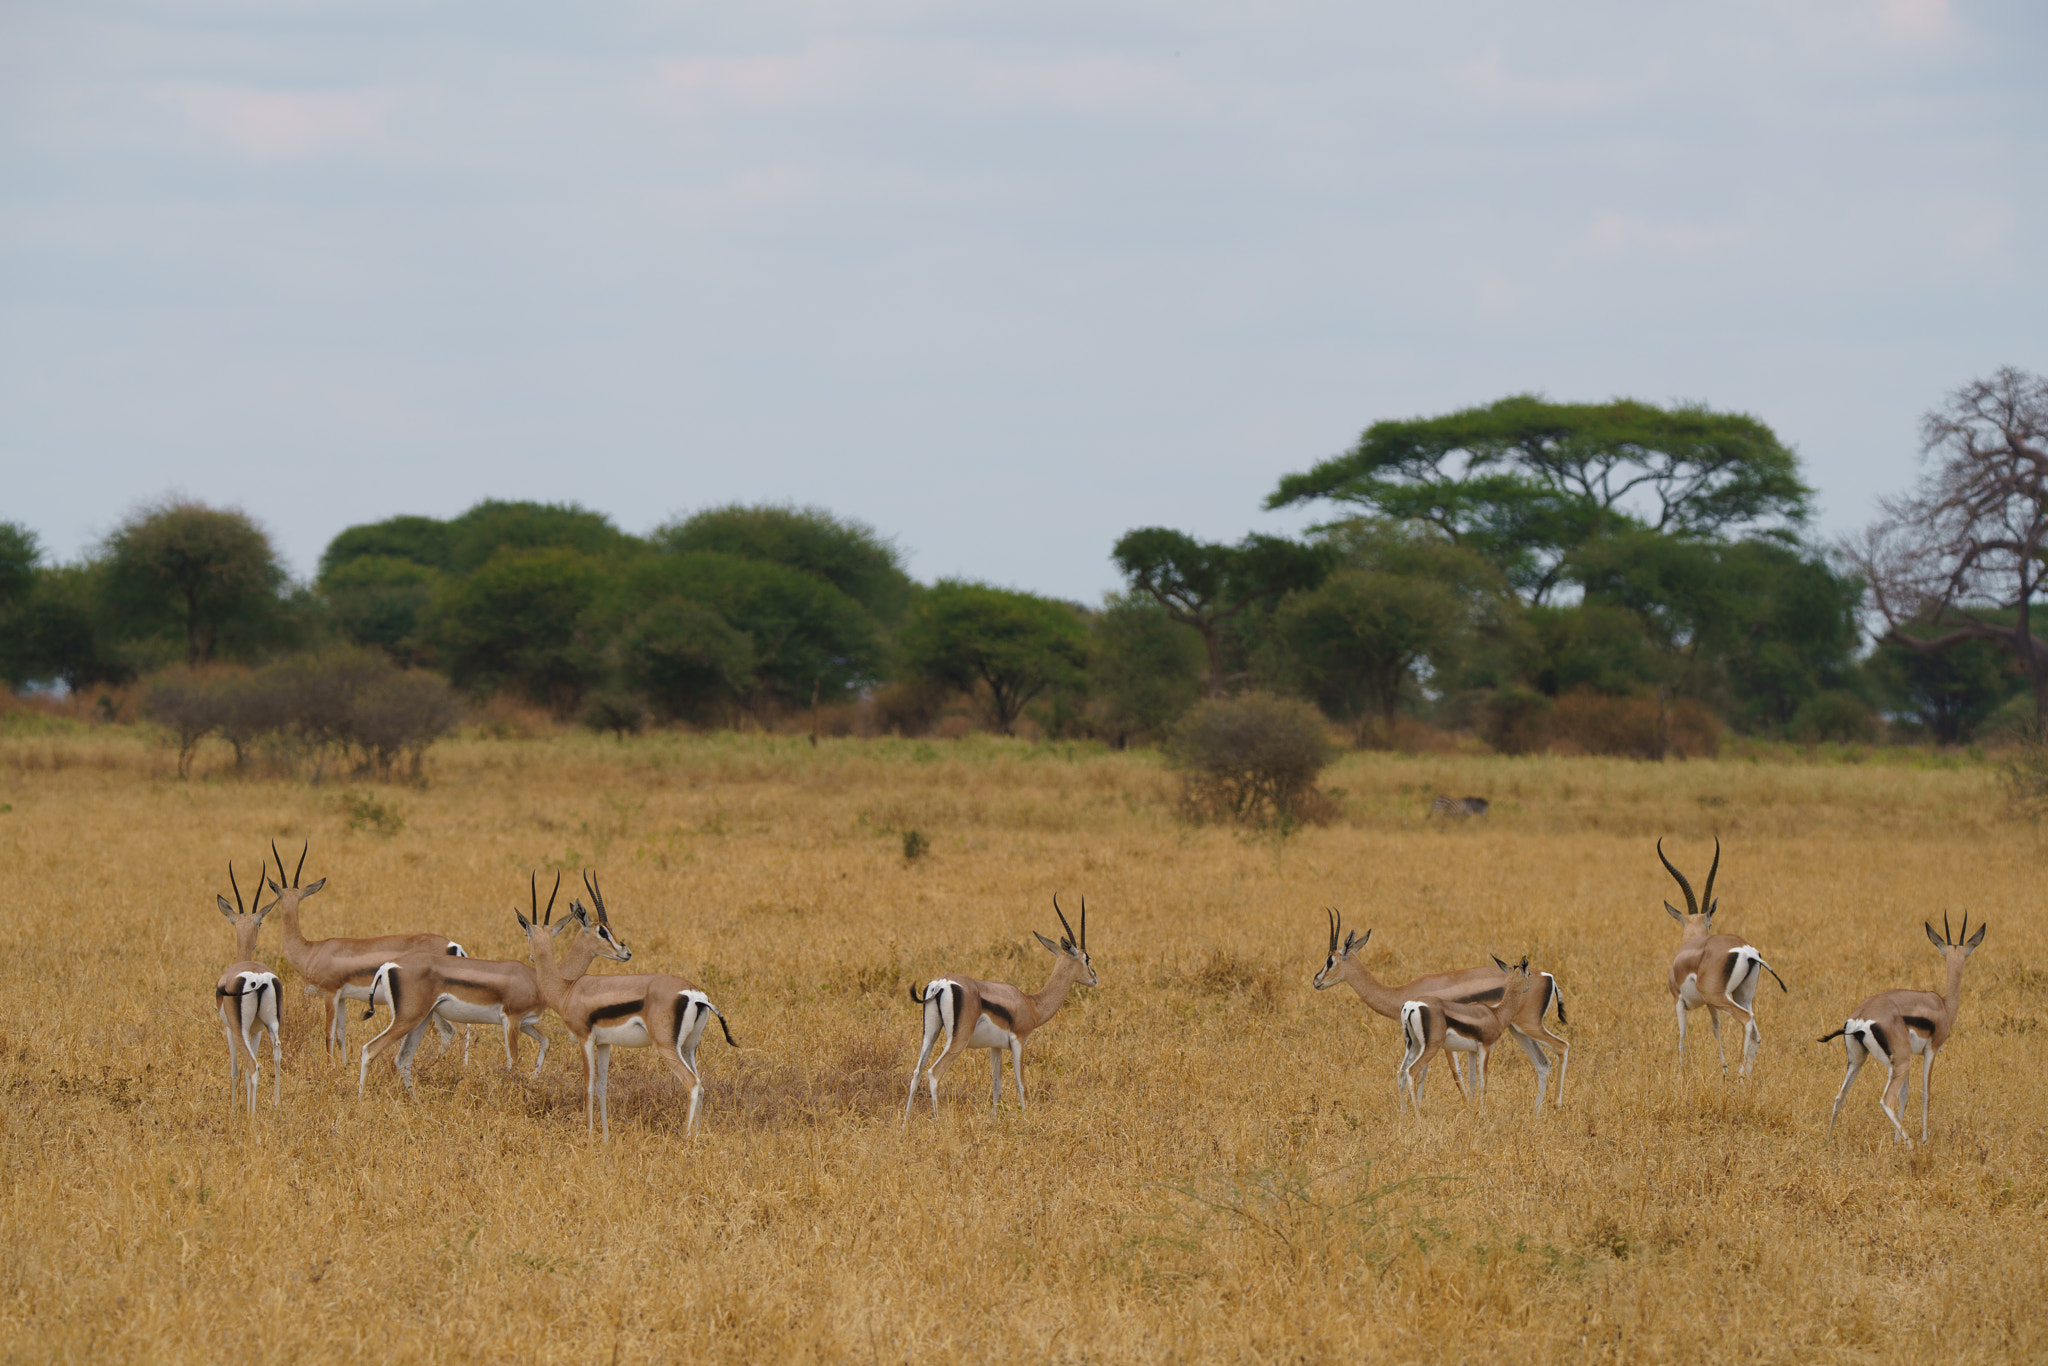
(621,713)
(188,704)
(1834,716)
(1586,722)
(1252,759)
(1517,721)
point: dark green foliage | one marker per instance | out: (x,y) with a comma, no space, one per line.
(19,555)
(492,527)
(1013,644)
(1524,482)
(1143,667)
(1359,636)
(1834,715)
(1205,585)
(849,555)
(1251,759)
(803,635)
(60,631)
(1517,721)
(522,620)
(616,711)
(687,660)
(1950,694)
(915,845)
(384,601)
(206,574)
(1594,645)
(420,540)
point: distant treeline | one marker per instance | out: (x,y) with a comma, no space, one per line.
(1620,578)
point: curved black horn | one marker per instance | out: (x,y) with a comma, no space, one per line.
(302,862)
(1063,917)
(1331,911)
(551,896)
(1945,938)
(1084,922)
(238,888)
(1707,896)
(1692,904)
(1964,937)
(280,860)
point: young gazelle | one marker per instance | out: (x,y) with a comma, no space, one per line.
(247,997)
(341,969)
(996,1015)
(1894,1025)
(1434,1024)
(1718,971)
(1467,986)
(426,988)
(652,1010)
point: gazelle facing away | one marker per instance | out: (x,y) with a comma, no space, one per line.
(247,997)
(652,1010)
(1894,1025)
(1479,986)
(341,969)
(1432,1024)
(1718,971)
(426,988)
(996,1015)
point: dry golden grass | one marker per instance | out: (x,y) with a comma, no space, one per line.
(1212,1168)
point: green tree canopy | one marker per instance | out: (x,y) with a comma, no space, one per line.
(803,633)
(523,619)
(1204,584)
(849,555)
(1950,694)
(420,540)
(1144,667)
(1016,644)
(19,555)
(688,660)
(205,573)
(1525,482)
(492,525)
(383,600)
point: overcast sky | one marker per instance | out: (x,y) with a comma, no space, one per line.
(1002,279)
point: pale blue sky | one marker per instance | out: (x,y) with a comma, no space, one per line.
(1003,279)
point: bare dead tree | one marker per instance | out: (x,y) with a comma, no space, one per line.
(1964,556)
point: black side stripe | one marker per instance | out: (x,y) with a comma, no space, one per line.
(1469,1031)
(1482,997)
(615,1010)
(1000,1012)
(1921,1023)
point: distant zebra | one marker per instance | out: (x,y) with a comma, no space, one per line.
(1458,806)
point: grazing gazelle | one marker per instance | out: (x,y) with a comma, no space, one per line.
(341,969)
(1433,1024)
(1467,986)
(996,1015)
(247,996)
(423,988)
(648,1010)
(1718,971)
(1894,1025)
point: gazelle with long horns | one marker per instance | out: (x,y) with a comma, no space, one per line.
(1480,986)
(434,988)
(247,997)
(653,1010)
(1718,971)
(1892,1026)
(340,969)
(995,1015)
(1433,1024)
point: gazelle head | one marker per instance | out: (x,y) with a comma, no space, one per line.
(1518,980)
(290,897)
(542,929)
(1955,951)
(1702,906)
(1071,945)
(1339,961)
(246,922)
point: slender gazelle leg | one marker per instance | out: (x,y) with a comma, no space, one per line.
(1017,1070)
(1926,1085)
(934,1010)
(1540,1061)
(1681,1032)
(604,1087)
(1857,1053)
(995,1095)
(1715,1016)
(1900,1071)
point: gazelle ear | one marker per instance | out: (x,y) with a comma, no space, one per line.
(1496,961)
(1976,938)
(524,928)
(1676,914)
(262,911)
(273,884)
(305,892)
(1715,906)
(1050,947)
(1932,937)
(225,909)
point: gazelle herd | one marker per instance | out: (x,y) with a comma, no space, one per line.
(427,980)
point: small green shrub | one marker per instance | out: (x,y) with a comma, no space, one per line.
(365,814)
(1833,717)
(915,845)
(1252,760)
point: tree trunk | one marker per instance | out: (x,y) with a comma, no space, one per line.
(1212,641)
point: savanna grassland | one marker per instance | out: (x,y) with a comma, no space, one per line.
(1211,1167)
